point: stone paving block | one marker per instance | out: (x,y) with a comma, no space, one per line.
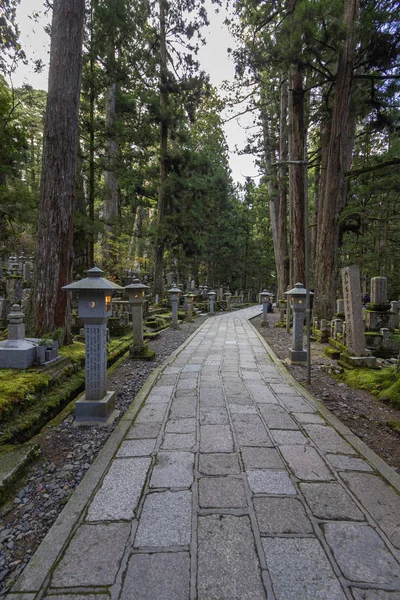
(153,413)
(216,438)
(306,463)
(168,379)
(178,441)
(331,501)
(191,368)
(328,440)
(144,431)
(234,388)
(283,388)
(300,570)
(211,397)
(136,448)
(172,370)
(283,437)
(250,431)
(281,515)
(221,492)
(361,553)
(62,597)
(181,426)
(270,482)
(294,403)
(362,594)
(210,380)
(102,547)
(262,394)
(165,520)
(162,576)
(251,375)
(173,469)
(219,464)
(120,491)
(277,417)
(242,409)
(261,458)
(160,394)
(189,375)
(183,408)
(213,416)
(379,499)
(348,463)
(188,395)
(186,384)
(228,567)
(310,417)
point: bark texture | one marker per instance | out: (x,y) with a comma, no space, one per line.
(54,241)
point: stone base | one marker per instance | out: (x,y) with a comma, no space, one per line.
(174,326)
(297,356)
(359,362)
(95,412)
(141,353)
(264,323)
(17,354)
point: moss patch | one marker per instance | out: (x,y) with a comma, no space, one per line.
(384,383)
(19,389)
(394,425)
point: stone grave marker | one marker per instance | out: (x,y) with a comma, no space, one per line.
(353,311)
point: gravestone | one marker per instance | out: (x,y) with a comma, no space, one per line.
(379,290)
(340,306)
(353,311)
(16,352)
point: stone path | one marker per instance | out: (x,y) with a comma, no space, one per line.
(230,484)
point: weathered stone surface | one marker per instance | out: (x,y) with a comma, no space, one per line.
(283,388)
(173,470)
(261,458)
(211,397)
(179,441)
(187,384)
(160,394)
(281,515)
(121,489)
(219,464)
(102,547)
(328,440)
(270,482)
(283,437)
(144,431)
(355,339)
(136,448)
(213,416)
(251,431)
(295,404)
(361,553)
(379,499)
(165,520)
(308,418)
(181,426)
(348,463)
(61,597)
(152,413)
(216,438)
(228,566)
(163,576)
(261,393)
(183,408)
(330,501)
(300,570)
(242,409)
(221,492)
(277,417)
(306,463)
(361,594)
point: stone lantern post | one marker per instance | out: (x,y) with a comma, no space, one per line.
(189,307)
(95,292)
(136,298)
(297,299)
(265,298)
(174,293)
(211,301)
(228,297)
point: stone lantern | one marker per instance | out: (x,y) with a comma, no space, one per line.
(297,299)
(189,307)
(228,297)
(95,294)
(211,301)
(174,293)
(136,296)
(265,298)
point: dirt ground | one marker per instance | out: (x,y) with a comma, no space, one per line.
(359,410)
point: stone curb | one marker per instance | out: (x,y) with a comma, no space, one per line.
(41,563)
(13,463)
(380,465)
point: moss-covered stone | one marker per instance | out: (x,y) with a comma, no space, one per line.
(382,383)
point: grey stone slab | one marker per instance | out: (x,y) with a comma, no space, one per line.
(211,397)
(277,417)
(191,368)
(219,464)
(64,597)
(379,499)
(361,553)
(165,520)
(181,426)
(362,594)
(270,482)
(283,388)
(120,491)
(294,404)
(210,380)
(136,448)
(306,463)
(348,463)
(235,388)
(153,413)
(283,437)
(228,567)
(216,438)
(300,570)
(262,393)
(168,379)
(102,547)
(160,394)
(186,395)
(221,492)
(178,441)
(251,431)
(162,576)
(186,384)
(213,416)
(242,409)
(144,431)
(173,470)
(183,408)
(172,370)
(281,515)
(244,399)
(331,501)
(311,417)
(328,440)
(261,458)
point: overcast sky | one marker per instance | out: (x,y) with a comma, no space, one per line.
(213,57)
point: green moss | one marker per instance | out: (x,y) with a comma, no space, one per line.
(394,425)
(19,389)
(332,353)
(372,334)
(75,351)
(383,383)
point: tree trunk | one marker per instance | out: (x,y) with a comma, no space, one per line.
(333,184)
(91,192)
(54,240)
(111,198)
(282,256)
